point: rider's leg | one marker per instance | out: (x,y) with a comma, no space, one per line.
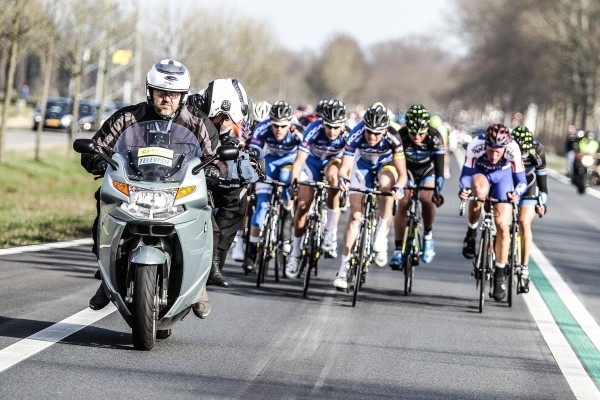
(428,209)
(350,235)
(480,188)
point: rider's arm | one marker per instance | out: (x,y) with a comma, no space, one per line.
(438,156)
(300,160)
(540,170)
(513,154)
(474,150)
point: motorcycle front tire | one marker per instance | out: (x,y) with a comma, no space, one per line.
(145,307)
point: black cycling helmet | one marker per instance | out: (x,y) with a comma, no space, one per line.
(524,138)
(417,119)
(334,112)
(376,118)
(281,111)
(319,108)
(497,136)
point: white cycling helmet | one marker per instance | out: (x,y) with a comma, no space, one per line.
(168,75)
(261,111)
(226,96)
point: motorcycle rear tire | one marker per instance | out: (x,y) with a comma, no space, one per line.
(145,307)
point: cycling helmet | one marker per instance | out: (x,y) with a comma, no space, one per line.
(524,138)
(225,96)
(417,119)
(260,111)
(319,108)
(334,112)
(281,111)
(376,118)
(169,75)
(497,136)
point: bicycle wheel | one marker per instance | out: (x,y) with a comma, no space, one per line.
(263,255)
(360,265)
(312,255)
(512,262)
(278,249)
(407,259)
(481,272)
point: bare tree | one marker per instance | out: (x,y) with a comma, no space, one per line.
(340,71)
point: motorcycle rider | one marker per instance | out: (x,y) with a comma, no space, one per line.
(319,155)
(493,168)
(167,88)
(227,105)
(534,160)
(425,152)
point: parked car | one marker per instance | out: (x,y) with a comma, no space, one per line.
(59,113)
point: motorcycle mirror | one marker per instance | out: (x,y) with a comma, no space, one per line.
(227,152)
(83,146)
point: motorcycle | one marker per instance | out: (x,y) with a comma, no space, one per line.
(586,172)
(155,230)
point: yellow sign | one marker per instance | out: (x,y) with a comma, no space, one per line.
(122,57)
(155,151)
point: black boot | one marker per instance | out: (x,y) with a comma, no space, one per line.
(100,299)
(499,284)
(215,277)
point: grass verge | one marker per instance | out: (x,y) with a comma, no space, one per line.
(46,201)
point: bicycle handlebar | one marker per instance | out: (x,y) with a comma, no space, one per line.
(370,191)
(490,200)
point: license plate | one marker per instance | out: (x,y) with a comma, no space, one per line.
(54,123)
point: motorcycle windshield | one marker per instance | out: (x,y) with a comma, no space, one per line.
(157,151)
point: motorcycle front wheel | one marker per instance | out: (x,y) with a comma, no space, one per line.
(145,307)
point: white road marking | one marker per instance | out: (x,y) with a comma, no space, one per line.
(45,246)
(41,340)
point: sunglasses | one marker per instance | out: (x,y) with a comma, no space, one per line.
(280,125)
(333,127)
(162,94)
(419,132)
(376,133)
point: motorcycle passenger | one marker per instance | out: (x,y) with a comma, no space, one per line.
(318,156)
(370,152)
(534,160)
(277,143)
(167,88)
(493,168)
(570,148)
(227,105)
(425,151)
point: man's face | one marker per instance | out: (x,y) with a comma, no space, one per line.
(280,129)
(165,103)
(418,137)
(373,137)
(494,154)
(333,131)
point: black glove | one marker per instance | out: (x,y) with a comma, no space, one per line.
(212,172)
(100,168)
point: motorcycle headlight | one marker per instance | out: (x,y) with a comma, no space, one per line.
(152,204)
(587,161)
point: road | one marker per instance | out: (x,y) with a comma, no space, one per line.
(24,139)
(270,343)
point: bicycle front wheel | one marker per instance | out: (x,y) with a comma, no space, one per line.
(361,261)
(481,273)
(264,255)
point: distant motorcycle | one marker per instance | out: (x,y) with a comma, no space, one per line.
(155,230)
(586,172)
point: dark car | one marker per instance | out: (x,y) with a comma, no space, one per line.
(59,113)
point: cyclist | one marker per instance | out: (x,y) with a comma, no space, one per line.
(319,155)
(534,160)
(260,112)
(277,143)
(370,151)
(493,168)
(425,151)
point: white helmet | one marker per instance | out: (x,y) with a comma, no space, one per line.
(226,96)
(169,75)
(261,111)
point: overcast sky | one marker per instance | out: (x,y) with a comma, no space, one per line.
(309,24)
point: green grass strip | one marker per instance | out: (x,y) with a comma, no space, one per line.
(580,343)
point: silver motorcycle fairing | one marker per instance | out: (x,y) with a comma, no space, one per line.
(192,228)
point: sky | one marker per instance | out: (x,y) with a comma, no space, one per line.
(309,24)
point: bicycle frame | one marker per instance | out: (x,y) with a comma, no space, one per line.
(412,240)
(313,236)
(361,250)
(269,233)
